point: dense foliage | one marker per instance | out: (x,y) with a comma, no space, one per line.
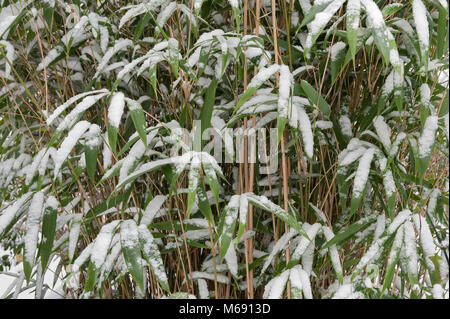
(127,134)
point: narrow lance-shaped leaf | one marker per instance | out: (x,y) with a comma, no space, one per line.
(265,204)
(311,232)
(352,26)
(69,143)
(115,112)
(132,252)
(410,251)
(275,288)
(334,254)
(426,143)
(74,233)
(349,231)
(423,33)
(11,212)
(32,232)
(262,76)
(48,230)
(138,117)
(321,19)
(383,38)
(296,283)
(91,149)
(194,179)
(284,88)
(152,255)
(314,98)
(229,223)
(173,55)
(243,212)
(393,259)
(361,177)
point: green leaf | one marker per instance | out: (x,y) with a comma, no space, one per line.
(91,277)
(393,259)
(131,251)
(194,179)
(48,234)
(152,255)
(208,106)
(315,99)
(204,206)
(349,231)
(245,96)
(229,225)
(112,136)
(146,168)
(138,117)
(313,11)
(391,9)
(91,154)
(265,204)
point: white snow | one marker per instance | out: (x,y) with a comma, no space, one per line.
(277,285)
(202,289)
(304,242)
(69,142)
(426,239)
(32,227)
(336,49)
(410,248)
(426,140)
(263,75)
(115,109)
(321,19)
(398,220)
(102,243)
(74,232)
(374,14)
(383,131)
(120,45)
(421,22)
(285,84)
(298,118)
(9,213)
(362,173)
(346,125)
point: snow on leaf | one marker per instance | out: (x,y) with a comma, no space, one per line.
(279,246)
(32,231)
(426,240)
(426,140)
(421,23)
(102,243)
(153,256)
(275,288)
(152,209)
(334,254)
(383,131)
(116,108)
(410,251)
(362,173)
(131,251)
(304,242)
(286,81)
(298,118)
(74,233)
(398,220)
(68,144)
